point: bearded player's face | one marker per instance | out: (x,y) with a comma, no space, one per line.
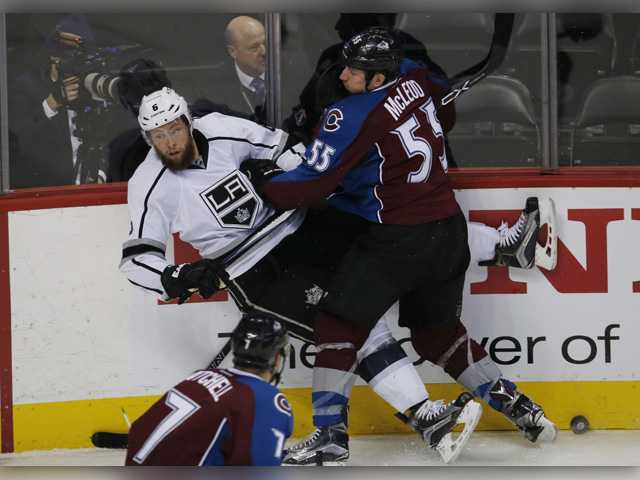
(174,144)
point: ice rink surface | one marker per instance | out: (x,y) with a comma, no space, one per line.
(594,448)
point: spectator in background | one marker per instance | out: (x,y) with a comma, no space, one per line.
(238,82)
(37,111)
(245,40)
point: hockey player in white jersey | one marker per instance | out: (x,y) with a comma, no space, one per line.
(190,183)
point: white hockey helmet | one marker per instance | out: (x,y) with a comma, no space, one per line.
(162,107)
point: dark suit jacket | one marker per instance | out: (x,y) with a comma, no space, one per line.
(221,85)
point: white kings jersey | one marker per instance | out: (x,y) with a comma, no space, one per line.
(212,206)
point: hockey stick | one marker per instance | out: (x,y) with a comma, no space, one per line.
(503,25)
(277,219)
(121,440)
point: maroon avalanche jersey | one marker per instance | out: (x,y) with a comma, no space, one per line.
(214,417)
(379,154)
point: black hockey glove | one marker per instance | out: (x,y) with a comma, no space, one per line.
(180,281)
(260,171)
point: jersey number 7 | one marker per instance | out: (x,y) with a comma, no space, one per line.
(416,145)
(182,407)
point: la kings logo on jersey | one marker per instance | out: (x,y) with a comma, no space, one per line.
(232,201)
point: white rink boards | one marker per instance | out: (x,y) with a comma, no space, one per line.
(86,343)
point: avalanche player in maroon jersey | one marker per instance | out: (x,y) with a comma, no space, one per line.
(380,157)
(233,416)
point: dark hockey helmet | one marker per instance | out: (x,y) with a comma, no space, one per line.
(257,339)
(374,50)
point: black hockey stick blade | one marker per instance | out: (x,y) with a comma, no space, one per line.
(110,440)
(503,26)
(499,44)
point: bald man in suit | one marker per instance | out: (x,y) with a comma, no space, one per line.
(245,80)
(239,81)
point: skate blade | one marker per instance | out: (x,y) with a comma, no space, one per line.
(316,460)
(449,448)
(340,463)
(323,464)
(547,254)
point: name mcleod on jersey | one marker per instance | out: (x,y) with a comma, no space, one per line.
(405,93)
(215,383)
(232,201)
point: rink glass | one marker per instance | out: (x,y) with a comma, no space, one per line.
(518,117)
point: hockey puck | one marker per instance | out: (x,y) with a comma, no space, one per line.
(579,424)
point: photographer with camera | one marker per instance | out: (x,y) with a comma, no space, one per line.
(62,116)
(41,118)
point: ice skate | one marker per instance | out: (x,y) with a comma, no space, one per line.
(325,446)
(523,412)
(517,244)
(434,421)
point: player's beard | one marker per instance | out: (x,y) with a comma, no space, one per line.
(183,162)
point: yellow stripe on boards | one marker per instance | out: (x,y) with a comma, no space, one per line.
(43,426)
(607,405)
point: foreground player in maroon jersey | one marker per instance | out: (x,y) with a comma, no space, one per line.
(379,156)
(233,416)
